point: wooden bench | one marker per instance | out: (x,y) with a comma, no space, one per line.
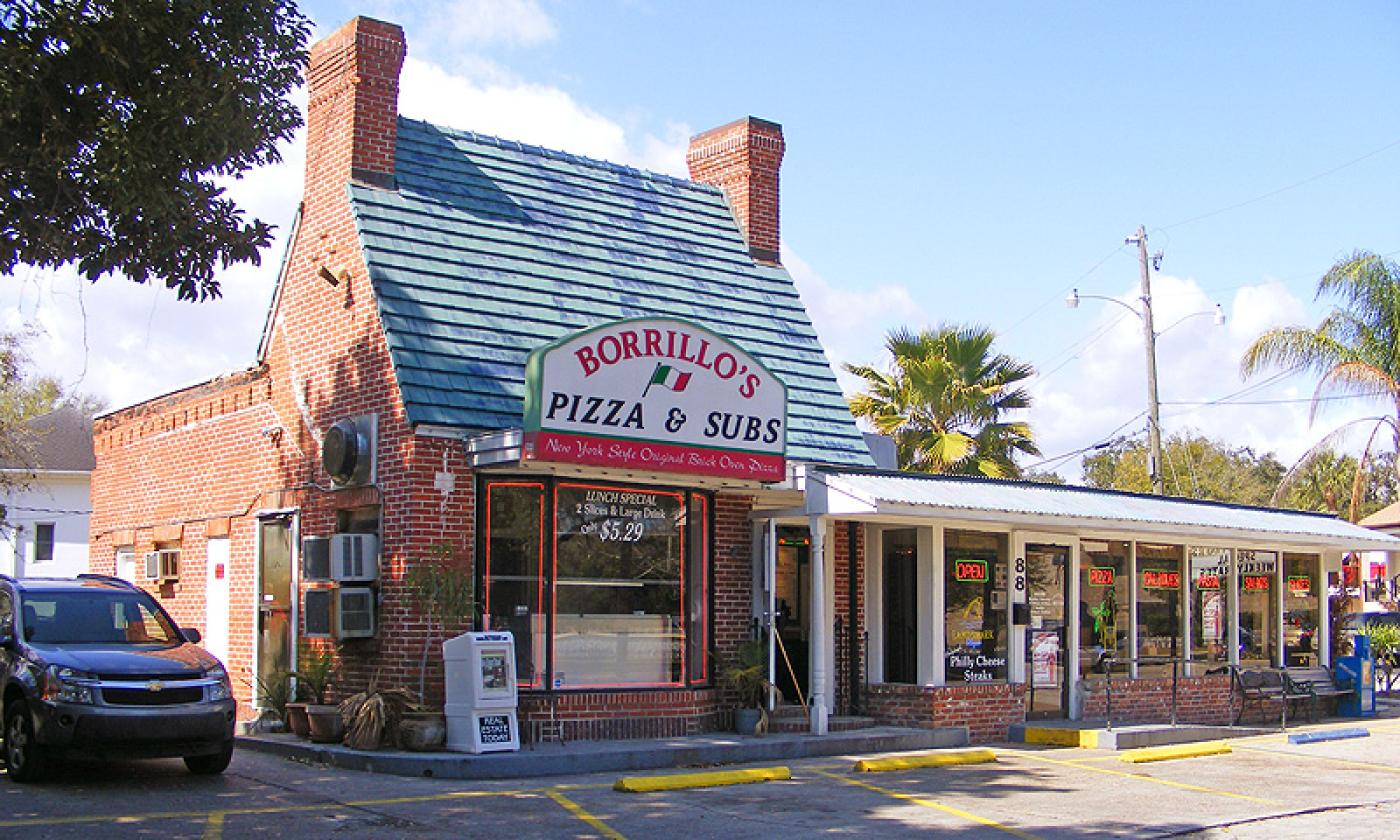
(1318,683)
(1262,686)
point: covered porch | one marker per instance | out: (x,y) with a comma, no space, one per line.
(987,603)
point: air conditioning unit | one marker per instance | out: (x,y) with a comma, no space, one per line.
(163,565)
(340,612)
(318,612)
(354,557)
(348,451)
(316,558)
(354,613)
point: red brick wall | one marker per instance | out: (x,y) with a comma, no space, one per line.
(743,158)
(620,714)
(843,610)
(988,711)
(1204,700)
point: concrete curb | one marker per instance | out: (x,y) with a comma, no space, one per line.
(914,762)
(1328,735)
(608,756)
(714,778)
(1146,754)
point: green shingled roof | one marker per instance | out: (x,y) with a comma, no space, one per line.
(490,248)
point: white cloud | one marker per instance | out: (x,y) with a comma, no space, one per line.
(505,106)
(852,323)
(513,23)
(1197,362)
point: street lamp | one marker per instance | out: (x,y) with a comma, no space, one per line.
(1149,334)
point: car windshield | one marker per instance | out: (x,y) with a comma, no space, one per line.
(99,617)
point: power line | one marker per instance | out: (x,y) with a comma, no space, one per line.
(1292,186)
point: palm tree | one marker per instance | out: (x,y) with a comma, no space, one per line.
(944,402)
(1356,350)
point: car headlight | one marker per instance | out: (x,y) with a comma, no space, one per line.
(222,689)
(66,685)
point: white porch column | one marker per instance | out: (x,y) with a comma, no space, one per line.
(819,646)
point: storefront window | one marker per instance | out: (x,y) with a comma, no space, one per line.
(1258,575)
(1210,609)
(974,618)
(603,586)
(1158,608)
(618,604)
(513,573)
(1301,609)
(1104,593)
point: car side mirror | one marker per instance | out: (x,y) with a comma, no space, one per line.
(191,635)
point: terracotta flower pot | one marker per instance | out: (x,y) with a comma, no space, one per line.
(298,721)
(327,727)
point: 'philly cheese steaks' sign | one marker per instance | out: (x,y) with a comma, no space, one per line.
(655,394)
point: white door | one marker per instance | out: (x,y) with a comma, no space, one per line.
(216,573)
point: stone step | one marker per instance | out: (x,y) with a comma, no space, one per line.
(835,723)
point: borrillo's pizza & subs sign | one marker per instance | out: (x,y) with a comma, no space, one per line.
(655,394)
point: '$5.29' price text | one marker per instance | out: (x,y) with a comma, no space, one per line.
(615,530)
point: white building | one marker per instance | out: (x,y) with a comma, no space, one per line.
(47,509)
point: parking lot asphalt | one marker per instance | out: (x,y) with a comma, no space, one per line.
(1264,787)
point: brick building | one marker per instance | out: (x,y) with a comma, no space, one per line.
(596,392)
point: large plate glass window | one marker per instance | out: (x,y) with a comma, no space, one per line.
(619,602)
(1258,577)
(1301,609)
(1159,590)
(1210,608)
(604,586)
(1104,593)
(974,616)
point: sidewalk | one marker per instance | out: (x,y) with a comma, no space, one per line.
(552,759)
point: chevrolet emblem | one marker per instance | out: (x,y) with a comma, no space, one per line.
(155,685)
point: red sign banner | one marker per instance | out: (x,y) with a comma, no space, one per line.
(1161,580)
(643,455)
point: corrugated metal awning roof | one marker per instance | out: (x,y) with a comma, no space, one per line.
(1061,507)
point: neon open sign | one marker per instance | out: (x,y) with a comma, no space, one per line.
(1101,576)
(974,571)
(1161,580)
(1256,583)
(1208,582)
(1300,585)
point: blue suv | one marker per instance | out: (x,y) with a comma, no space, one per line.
(93,667)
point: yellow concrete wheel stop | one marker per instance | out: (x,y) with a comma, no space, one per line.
(945,758)
(713,778)
(1168,753)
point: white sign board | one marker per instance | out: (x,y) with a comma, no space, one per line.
(657,394)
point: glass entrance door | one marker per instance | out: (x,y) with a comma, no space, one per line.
(274,603)
(900,575)
(794,583)
(1047,694)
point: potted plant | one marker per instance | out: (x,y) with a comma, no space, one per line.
(747,678)
(441,591)
(371,717)
(313,678)
(273,694)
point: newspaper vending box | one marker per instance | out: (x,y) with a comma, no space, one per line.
(481,692)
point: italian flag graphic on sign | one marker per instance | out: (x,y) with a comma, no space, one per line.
(669,378)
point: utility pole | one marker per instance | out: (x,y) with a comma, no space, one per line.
(1154,428)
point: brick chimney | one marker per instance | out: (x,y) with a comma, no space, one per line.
(743,158)
(353,108)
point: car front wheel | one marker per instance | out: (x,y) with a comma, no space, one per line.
(25,759)
(211,765)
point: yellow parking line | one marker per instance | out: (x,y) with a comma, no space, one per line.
(275,809)
(574,808)
(1363,765)
(1166,782)
(214,828)
(929,803)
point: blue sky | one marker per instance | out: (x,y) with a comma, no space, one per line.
(955,162)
